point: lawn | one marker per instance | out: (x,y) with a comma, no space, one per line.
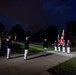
(33,48)
(66,68)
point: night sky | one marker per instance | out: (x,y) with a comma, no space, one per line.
(37,14)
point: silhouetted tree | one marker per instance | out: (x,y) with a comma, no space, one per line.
(71,28)
(40,35)
(29,34)
(1,28)
(52,33)
(20,33)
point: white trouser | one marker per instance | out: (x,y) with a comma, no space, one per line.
(45,49)
(8,53)
(68,49)
(63,49)
(59,49)
(25,54)
(55,48)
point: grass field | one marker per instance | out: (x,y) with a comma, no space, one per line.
(66,68)
(33,48)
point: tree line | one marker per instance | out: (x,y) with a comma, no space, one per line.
(49,33)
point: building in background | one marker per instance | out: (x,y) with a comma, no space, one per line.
(71,30)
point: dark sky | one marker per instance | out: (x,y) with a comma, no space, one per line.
(37,14)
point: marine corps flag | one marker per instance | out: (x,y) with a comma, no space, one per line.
(62,38)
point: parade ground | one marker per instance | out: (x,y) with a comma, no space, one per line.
(36,64)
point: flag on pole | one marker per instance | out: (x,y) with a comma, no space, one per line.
(62,38)
(58,38)
(63,33)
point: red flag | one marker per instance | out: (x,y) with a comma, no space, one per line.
(62,38)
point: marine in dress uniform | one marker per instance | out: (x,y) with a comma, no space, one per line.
(68,46)
(9,46)
(45,46)
(63,46)
(55,45)
(59,48)
(26,48)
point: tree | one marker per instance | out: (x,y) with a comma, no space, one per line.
(52,33)
(19,32)
(40,35)
(1,28)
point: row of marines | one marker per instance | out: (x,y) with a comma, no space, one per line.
(6,46)
(65,47)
